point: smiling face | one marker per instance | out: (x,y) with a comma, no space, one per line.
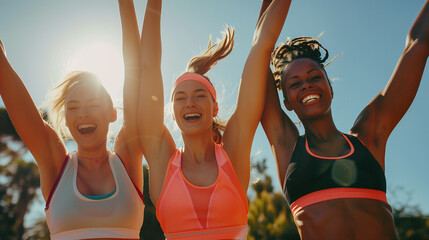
(194,107)
(88,114)
(306,88)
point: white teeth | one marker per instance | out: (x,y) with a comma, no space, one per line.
(192,115)
(310,98)
(86,125)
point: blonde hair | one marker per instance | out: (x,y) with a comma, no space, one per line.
(202,63)
(56,106)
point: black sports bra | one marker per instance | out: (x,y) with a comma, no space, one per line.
(356,174)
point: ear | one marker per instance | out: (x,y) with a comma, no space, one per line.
(332,92)
(114,115)
(215,109)
(287,104)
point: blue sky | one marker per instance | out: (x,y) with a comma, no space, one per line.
(46,39)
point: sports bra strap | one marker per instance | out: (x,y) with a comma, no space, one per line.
(51,193)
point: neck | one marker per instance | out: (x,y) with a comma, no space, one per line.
(93,156)
(198,148)
(320,129)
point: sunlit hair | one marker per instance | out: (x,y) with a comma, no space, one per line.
(58,97)
(202,63)
(301,47)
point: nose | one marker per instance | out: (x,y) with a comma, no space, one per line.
(189,102)
(83,112)
(306,84)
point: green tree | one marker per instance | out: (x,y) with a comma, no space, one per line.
(269,216)
(39,231)
(19,181)
(410,222)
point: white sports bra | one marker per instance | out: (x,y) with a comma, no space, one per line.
(71,215)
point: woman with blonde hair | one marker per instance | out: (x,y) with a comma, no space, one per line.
(200,189)
(334,182)
(92,192)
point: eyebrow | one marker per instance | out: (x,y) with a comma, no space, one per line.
(197,90)
(309,71)
(90,100)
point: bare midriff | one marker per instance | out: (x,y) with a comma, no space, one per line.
(351,219)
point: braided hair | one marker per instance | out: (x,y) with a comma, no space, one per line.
(301,47)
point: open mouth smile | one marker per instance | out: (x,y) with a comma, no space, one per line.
(310,98)
(86,128)
(192,116)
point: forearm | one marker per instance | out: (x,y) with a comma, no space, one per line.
(271,23)
(21,108)
(130,34)
(151,50)
(265,4)
(251,97)
(419,32)
(131,50)
(151,79)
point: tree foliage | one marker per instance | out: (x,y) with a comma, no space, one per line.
(410,222)
(269,216)
(18,183)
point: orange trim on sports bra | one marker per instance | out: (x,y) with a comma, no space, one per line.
(352,150)
(336,193)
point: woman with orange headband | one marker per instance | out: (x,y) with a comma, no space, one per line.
(335,182)
(200,189)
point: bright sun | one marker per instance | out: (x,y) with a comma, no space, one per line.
(103,59)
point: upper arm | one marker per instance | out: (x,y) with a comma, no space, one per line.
(382,114)
(279,129)
(129,150)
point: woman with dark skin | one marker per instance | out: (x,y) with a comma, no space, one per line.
(335,182)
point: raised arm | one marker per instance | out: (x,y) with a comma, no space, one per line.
(127,144)
(155,139)
(279,128)
(42,141)
(251,97)
(382,114)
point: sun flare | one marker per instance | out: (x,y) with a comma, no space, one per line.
(104,60)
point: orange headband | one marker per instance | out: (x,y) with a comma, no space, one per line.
(188,76)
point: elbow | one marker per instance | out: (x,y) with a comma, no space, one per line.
(418,40)
(418,45)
